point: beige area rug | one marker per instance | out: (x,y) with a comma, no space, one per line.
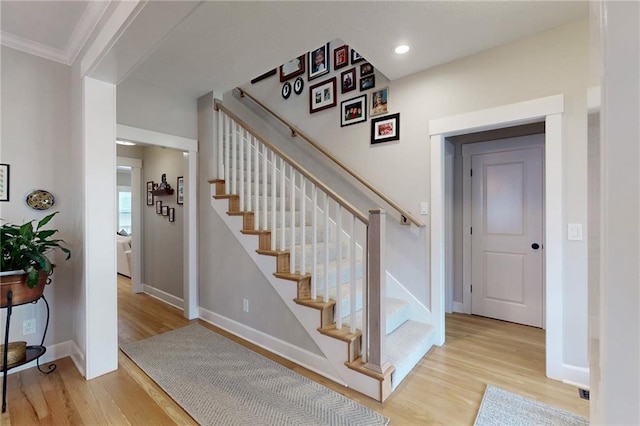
(219,382)
(501,407)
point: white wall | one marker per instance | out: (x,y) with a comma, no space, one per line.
(163,240)
(35,141)
(550,63)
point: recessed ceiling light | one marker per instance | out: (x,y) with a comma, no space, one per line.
(127,143)
(402,49)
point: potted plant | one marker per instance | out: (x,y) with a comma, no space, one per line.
(25,266)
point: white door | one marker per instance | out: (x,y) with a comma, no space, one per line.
(506,240)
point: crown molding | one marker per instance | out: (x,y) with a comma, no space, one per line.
(86,24)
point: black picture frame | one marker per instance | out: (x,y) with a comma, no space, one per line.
(319,62)
(298,85)
(366,69)
(348,80)
(150,198)
(172,214)
(5,181)
(353,111)
(367,83)
(286,90)
(322,95)
(355,57)
(180,190)
(385,128)
(293,68)
(159,207)
(165,210)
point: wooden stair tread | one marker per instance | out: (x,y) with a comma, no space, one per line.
(239,214)
(272,252)
(215,180)
(343,334)
(254,231)
(291,277)
(359,366)
(317,303)
(224,196)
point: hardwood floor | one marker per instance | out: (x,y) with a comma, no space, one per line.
(445,388)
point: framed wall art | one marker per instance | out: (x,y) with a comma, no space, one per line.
(298,85)
(353,111)
(322,95)
(348,80)
(158,207)
(379,102)
(367,83)
(319,62)
(172,214)
(355,57)
(340,57)
(385,129)
(293,68)
(149,193)
(263,76)
(180,192)
(366,69)
(4,181)
(165,210)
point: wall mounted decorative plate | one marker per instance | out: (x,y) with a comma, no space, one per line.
(39,199)
(286,90)
(298,85)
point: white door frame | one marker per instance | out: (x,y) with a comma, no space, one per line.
(550,110)
(136,220)
(190,244)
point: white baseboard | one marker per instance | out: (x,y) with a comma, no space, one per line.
(302,357)
(576,376)
(459,307)
(167,298)
(54,352)
(77,356)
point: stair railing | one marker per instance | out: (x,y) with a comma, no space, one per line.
(263,177)
(405,216)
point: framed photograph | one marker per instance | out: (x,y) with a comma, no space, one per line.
(4,182)
(322,95)
(340,57)
(165,210)
(367,83)
(366,69)
(353,111)
(149,198)
(158,207)
(172,214)
(150,186)
(293,68)
(319,62)
(385,129)
(379,102)
(355,57)
(180,191)
(263,76)
(348,80)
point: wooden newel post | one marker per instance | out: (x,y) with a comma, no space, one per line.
(377,360)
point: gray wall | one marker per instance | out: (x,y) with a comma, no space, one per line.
(36,133)
(547,64)
(163,240)
(227,273)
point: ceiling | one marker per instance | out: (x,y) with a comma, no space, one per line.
(193,47)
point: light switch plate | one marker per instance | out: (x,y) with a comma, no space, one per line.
(424,208)
(574,231)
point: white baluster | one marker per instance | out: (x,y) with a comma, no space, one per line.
(338,308)
(282,200)
(352,271)
(314,242)
(250,172)
(273,201)
(265,208)
(292,228)
(326,247)
(234,159)
(227,155)
(221,116)
(241,168)
(256,183)
(365,296)
(303,227)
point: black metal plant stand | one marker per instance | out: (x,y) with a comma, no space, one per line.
(33,352)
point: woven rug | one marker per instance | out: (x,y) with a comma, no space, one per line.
(219,382)
(500,407)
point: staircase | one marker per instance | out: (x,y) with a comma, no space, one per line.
(327,250)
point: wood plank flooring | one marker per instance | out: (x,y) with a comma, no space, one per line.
(445,388)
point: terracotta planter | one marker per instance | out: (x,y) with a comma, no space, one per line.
(21,291)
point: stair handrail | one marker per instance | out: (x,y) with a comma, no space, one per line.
(404,213)
(335,196)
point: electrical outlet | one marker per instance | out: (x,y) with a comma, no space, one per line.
(28,327)
(245,305)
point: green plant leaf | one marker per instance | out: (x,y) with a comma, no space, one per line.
(46,219)
(45,234)
(32,277)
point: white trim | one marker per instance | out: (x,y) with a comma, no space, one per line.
(78,358)
(53,353)
(85,26)
(302,357)
(458,307)
(163,296)
(576,376)
(498,117)
(419,312)
(437,237)
(136,134)
(594,99)
(33,48)
(136,219)
(549,109)
(129,162)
